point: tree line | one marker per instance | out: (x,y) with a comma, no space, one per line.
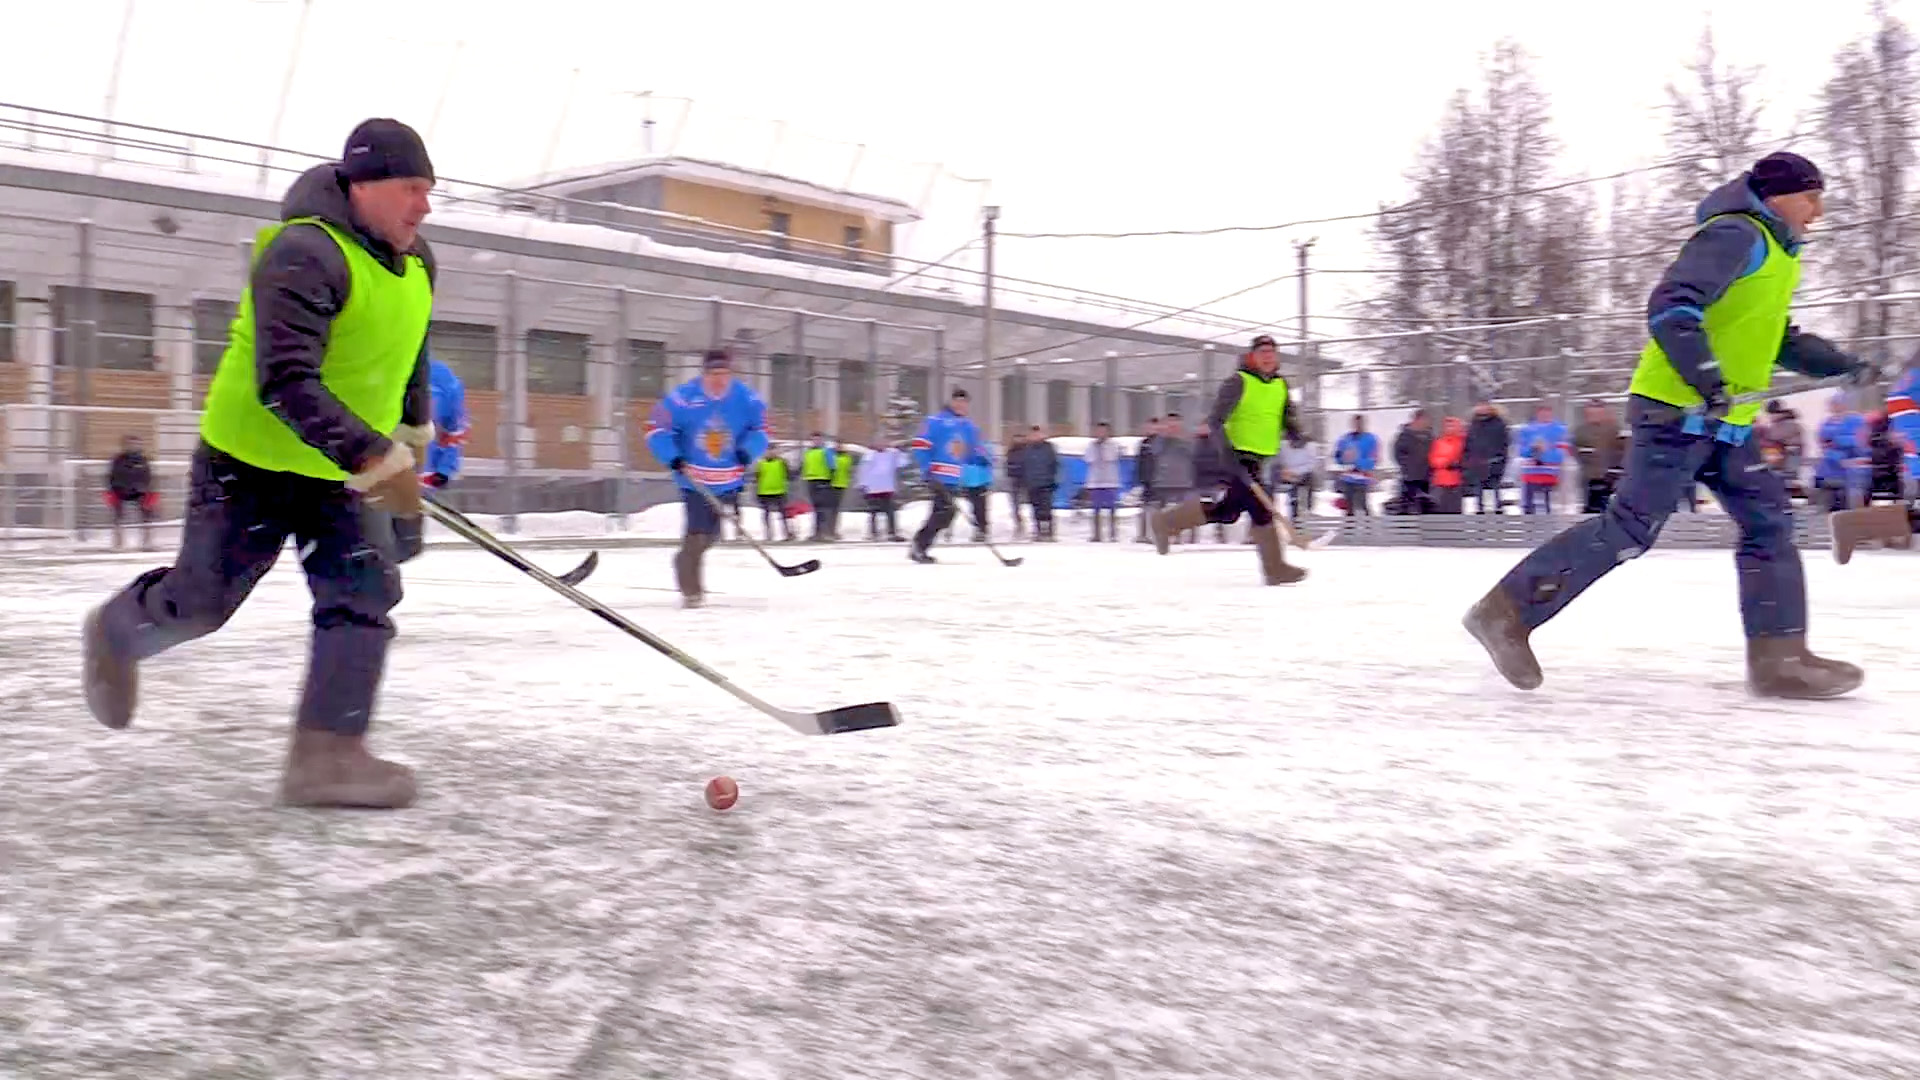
(1493,234)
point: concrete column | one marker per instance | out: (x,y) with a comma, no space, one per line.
(1083,410)
(826,394)
(174,347)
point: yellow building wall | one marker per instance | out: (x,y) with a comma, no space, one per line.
(815,230)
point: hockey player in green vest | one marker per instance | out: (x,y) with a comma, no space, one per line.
(1718,325)
(314,427)
(1250,414)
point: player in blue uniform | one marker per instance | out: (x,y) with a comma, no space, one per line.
(948,442)
(447,435)
(707,431)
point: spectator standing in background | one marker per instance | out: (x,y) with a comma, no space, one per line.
(1040,472)
(1103,479)
(1449,451)
(772,477)
(1356,455)
(1297,466)
(1543,448)
(1602,447)
(1017,481)
(1143,466)
(1174,469)
(130,484)
(816,470)
(879,479)
(1843,455)
(1486,457)
(1411,448)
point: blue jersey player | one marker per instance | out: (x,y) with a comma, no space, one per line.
(707,431)
(947,444)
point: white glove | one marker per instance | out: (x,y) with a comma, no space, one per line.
(417,436)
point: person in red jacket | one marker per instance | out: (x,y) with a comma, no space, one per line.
(1445,459)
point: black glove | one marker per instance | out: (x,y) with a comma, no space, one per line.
(677,464)
(1717,405)
(1249,464)
(741,456)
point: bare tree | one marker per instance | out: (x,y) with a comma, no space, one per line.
(1480,243)
(1868,119)
(1713,128)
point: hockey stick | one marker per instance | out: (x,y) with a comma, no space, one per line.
(572,577)
(1772,392)
(878,714)
(722,509)
(1005,560)
(1293,535)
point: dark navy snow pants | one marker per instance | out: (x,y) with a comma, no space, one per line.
(1663,461)
(238,518)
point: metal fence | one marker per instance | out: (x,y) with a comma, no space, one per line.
(1560,362)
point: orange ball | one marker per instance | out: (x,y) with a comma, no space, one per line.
(722,792)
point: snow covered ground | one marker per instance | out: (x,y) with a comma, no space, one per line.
(1141,820)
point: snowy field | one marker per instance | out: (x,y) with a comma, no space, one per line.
(1141,820)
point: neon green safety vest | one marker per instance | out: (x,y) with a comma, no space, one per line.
(842,469)
(371,350)
(813,464)
(1744,328)
(1254,426)
(773,475)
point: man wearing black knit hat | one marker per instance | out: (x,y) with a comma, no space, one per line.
(313,426)
(1718,323)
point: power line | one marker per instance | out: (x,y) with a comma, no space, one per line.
(1409,208)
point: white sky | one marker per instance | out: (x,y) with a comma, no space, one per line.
(1084,117)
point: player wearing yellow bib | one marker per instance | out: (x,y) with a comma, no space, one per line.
(1718,325)
(1250,414)
(313,427)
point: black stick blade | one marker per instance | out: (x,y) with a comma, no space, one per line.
(878,714)
(807,567)
(1014,561)
(582,572)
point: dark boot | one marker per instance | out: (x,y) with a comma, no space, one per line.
(1495,623)
(693,580)
(1781,667)
(327,769)
(1273,556)
(684,578)
(1173,519)
(111,681)
(1853,528)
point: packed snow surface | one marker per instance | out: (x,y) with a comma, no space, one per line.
(1142,819)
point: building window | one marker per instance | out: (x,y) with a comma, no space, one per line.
(212,324)
(102,327)
(646,369)
(557,362)
(781,226)
(851,239)
(471,350)
(8,317)
(790,390)
(916,384)
(856,387)
(1059,401)
(1013,398)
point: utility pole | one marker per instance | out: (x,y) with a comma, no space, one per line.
(990,406)
(1300,250)
(1309,378)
